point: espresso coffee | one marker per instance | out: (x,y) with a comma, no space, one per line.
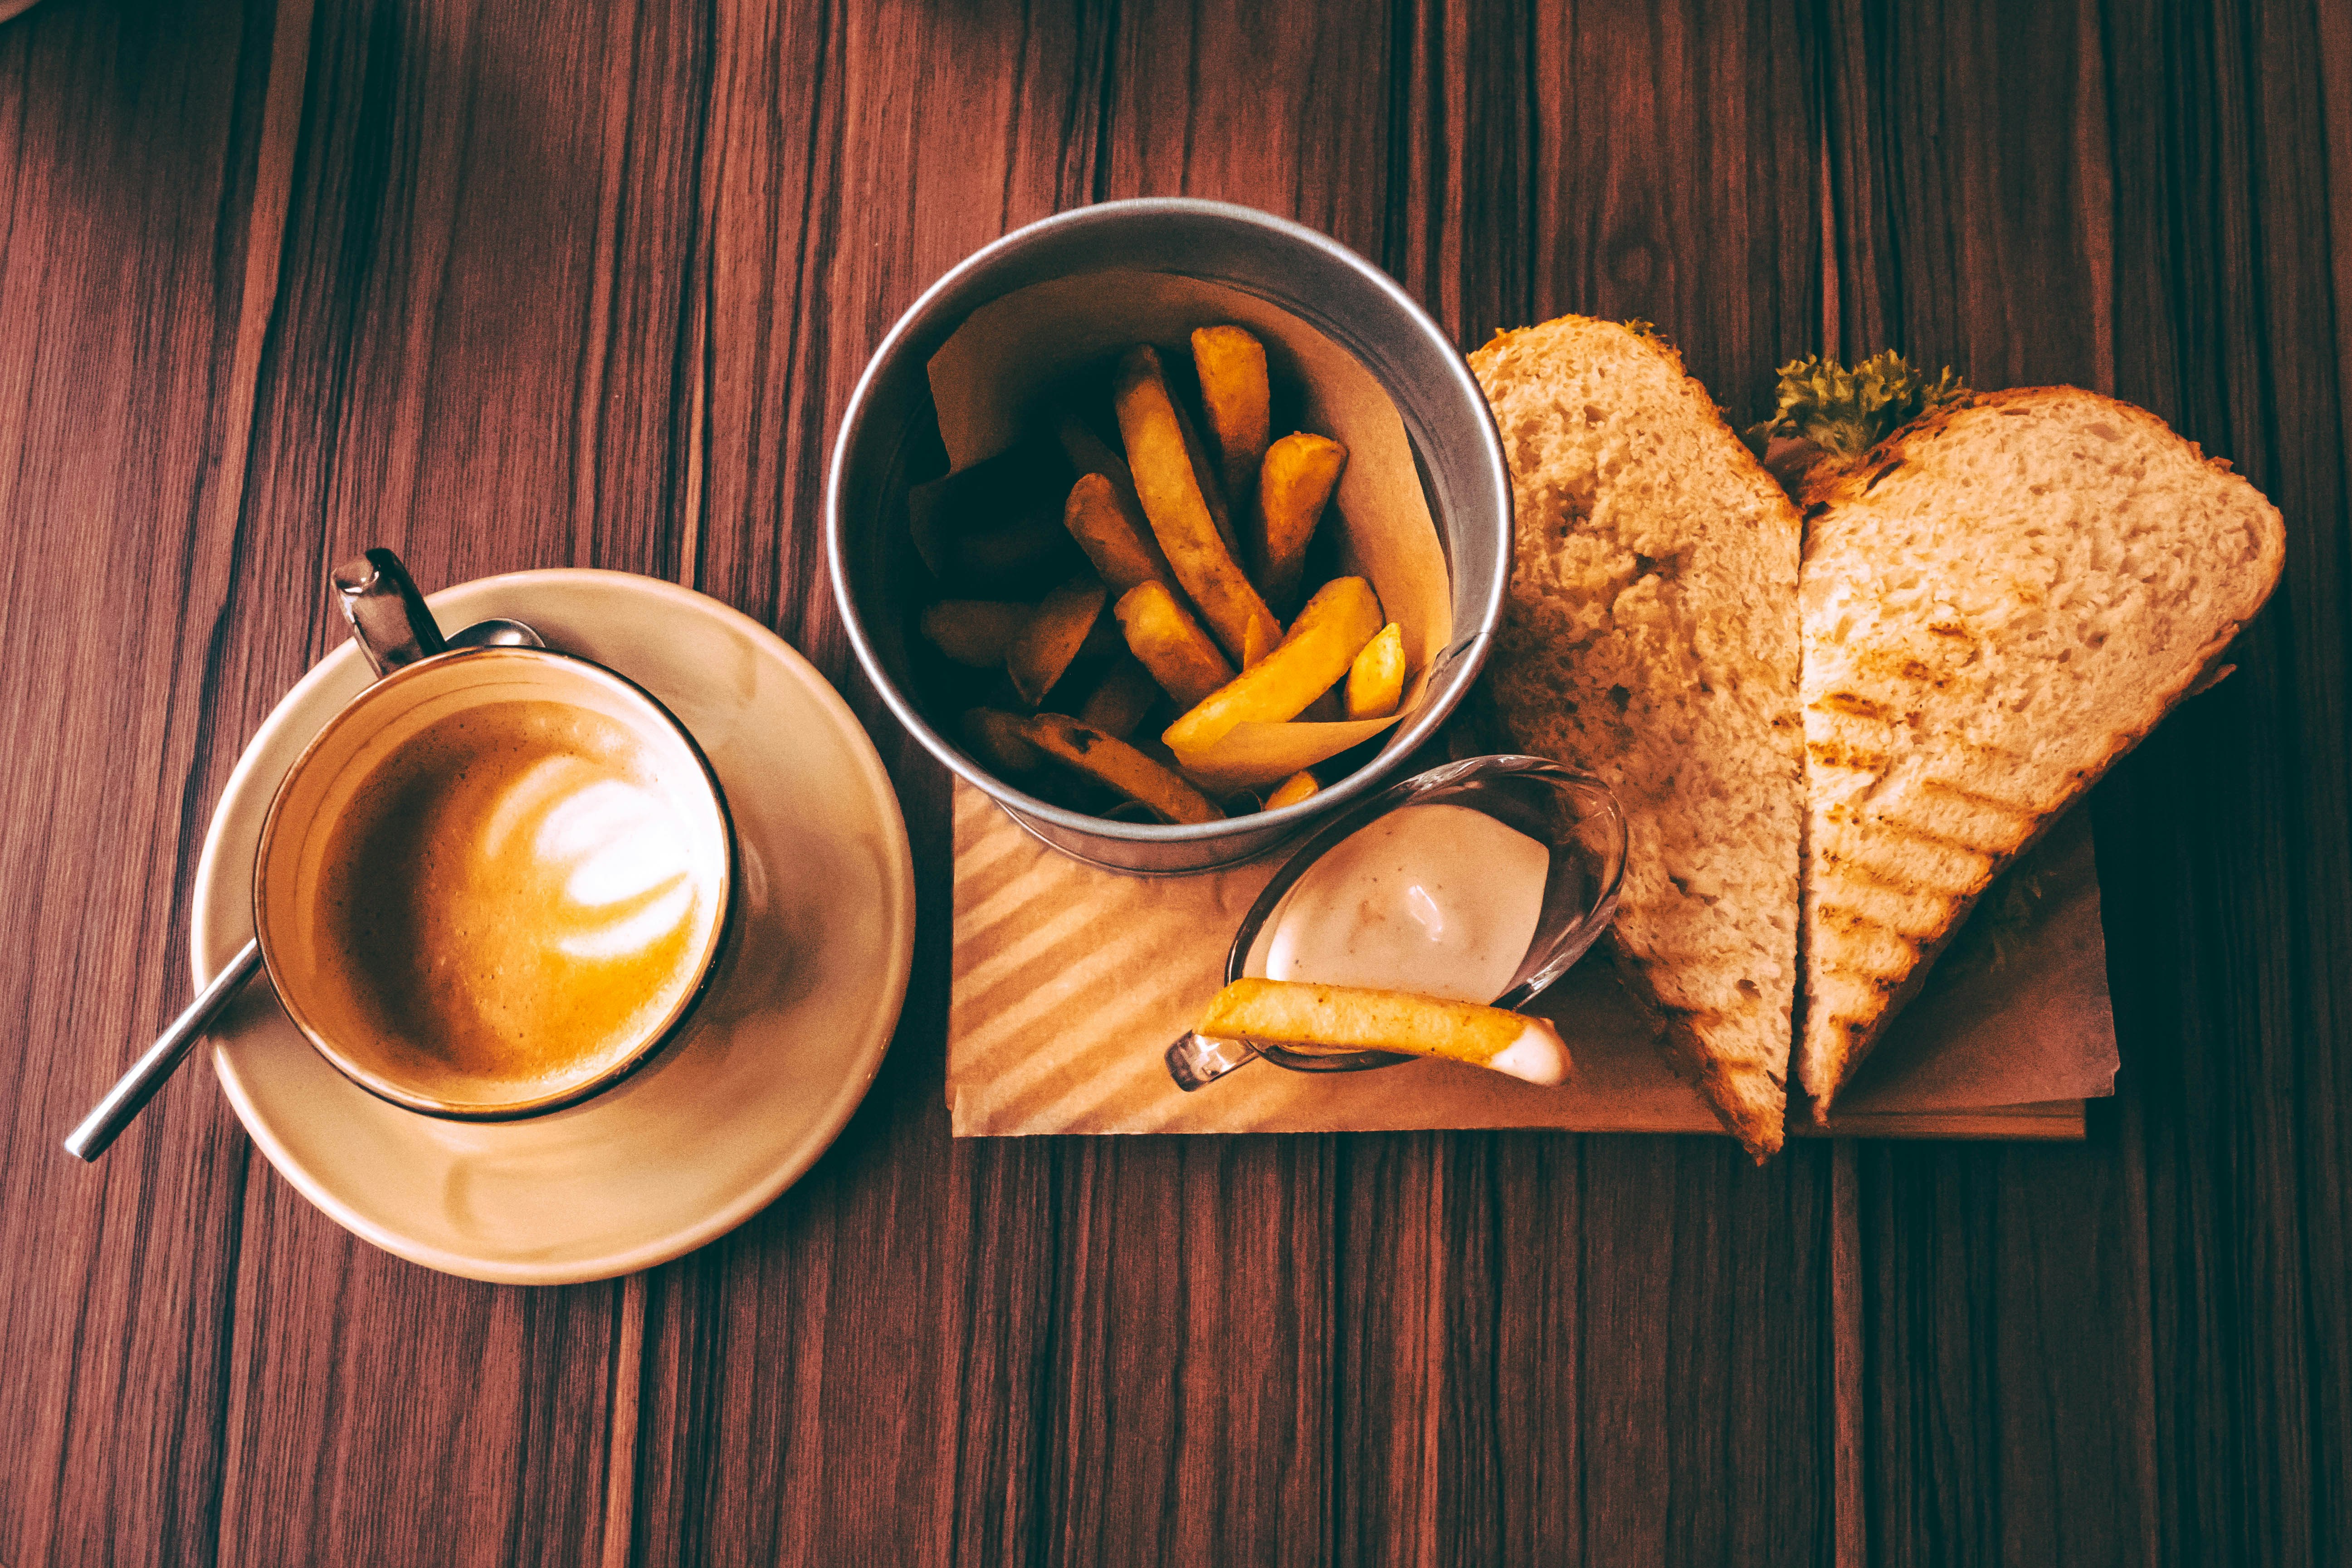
(514,898)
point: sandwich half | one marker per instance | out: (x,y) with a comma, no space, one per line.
(1999,601)
(1651,639)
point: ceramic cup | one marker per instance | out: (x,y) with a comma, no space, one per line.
(320,981)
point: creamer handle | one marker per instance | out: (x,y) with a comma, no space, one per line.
(1196,1059)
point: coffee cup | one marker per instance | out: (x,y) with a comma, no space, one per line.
(497,880)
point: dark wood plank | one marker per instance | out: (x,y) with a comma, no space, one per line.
(1594,1295)
(126,141)
(860,1373)
(1225,1297)
(2132,1352)
(2233,930)
(1969,148)
(1005,1378)
(471,358)
(1103,1431)
(592,285)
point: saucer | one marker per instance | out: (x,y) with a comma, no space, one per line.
(730,1113)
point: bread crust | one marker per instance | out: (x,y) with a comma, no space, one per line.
(1829,486)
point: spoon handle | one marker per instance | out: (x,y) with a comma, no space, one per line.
(135,1088)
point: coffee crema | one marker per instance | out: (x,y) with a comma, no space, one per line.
(513,897)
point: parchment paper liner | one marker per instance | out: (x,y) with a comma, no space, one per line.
(991,382)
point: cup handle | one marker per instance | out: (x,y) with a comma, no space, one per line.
(389,618)
(1197,1059)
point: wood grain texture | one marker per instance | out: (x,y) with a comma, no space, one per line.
(472,358)
(125,160)
(1620,161)
(858,1375)
(1996,1428)
(506,286)
(2151,235)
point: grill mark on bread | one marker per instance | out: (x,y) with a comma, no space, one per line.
(1851,918)
(1909,885)
(1853,705)
(1979,798)
(2143,533)
(1902,828)
(1838,755)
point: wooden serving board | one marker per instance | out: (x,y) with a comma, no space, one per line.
(1070,981)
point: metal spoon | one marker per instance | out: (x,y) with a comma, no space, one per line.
(374,589)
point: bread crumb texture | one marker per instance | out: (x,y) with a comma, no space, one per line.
(1999,602)
(1652,639)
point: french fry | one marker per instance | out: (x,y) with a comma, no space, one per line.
(1351,1018)
(1294,484)
(1023,552)
(1111,528)
(1170,644)
(1298,786)
(995,737)
(1255,645)
(1112,762)
(1089,453)
(1205,473)
(1231,366)
(974,632)
(1045,647)
(1173,498)
(994,525)
(1343,616)
(1120,698)
(1376,681)
(1105,639)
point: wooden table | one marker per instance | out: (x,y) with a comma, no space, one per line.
(507,285)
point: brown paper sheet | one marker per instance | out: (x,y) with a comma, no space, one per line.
(1069,983)
(991,379)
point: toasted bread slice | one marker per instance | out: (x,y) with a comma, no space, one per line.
(1999,601)
(1651,639)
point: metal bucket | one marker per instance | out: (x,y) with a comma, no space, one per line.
(1311,276)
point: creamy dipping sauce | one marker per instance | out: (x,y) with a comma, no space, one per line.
(1440,900)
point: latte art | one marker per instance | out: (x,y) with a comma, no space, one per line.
(515,896)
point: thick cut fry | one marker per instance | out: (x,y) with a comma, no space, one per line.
(1016,555)
(1088,452)
(1113,761)
(1294,484)
(1343,616)
(1376,681)
(1205,473)
(1231,366)
(1298,786)
(1173,499)
(993,526)
(1254,645)
(1170,644)
(1348,1019)
(1053,638)
(974,632)
(994,736)
(1121,699)
(1111,528)
(1105,639)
